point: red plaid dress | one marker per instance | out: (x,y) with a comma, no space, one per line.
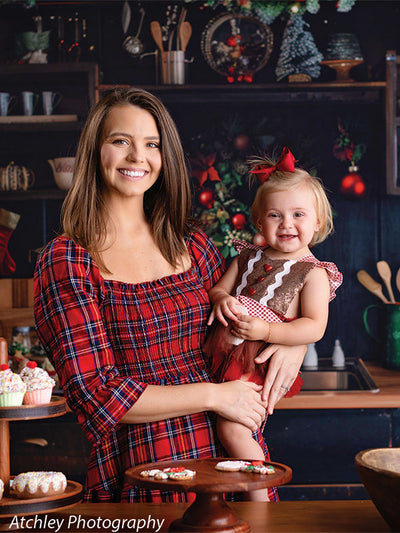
(109,340)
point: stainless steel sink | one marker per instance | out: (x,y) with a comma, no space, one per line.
(353,377)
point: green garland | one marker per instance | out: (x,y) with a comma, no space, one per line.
(25,3)
(269,11)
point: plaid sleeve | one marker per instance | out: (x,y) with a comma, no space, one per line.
(68,293)
(209,261)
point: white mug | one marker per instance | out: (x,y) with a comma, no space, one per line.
(7,102)
(29,102)
(50,101)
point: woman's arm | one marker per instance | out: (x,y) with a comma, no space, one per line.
(310,327)
(239,401)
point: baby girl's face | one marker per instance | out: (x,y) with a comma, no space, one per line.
(289,220)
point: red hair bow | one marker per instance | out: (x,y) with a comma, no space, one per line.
(285,163)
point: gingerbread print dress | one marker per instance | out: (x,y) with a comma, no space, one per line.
(266,287)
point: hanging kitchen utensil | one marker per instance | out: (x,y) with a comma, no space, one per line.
(370,284)
(132,44)
(386,275)
(60,39)
(74,51)
(185,32)
(125,17)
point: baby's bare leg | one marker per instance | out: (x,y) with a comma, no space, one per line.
(238,442)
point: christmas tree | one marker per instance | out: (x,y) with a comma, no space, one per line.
(299,53)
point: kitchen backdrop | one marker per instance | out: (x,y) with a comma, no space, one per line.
(251,81)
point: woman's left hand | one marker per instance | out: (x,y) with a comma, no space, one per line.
(283,369)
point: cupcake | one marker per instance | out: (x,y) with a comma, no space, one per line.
(12,388)
(39,384)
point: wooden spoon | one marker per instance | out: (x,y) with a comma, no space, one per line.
(185,32)
(386,274)
(156,33)
(373,286)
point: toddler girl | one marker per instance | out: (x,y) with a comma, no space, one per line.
(274,294)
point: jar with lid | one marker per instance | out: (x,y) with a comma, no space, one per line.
(22,335)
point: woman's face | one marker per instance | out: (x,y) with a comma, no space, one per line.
(130,151)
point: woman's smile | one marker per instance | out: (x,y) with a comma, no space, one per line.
(134,174)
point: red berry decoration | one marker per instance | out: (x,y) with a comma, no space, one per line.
(206,198)
(31,364)
(239,221)
(241,142)
(259,240)
(352,184)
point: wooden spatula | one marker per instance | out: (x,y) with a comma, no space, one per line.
(386,275)
(156,33)
(185,32)
(370,284)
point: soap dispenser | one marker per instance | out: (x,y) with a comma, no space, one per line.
(338,355)
(311,357)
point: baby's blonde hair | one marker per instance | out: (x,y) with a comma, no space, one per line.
(282,181)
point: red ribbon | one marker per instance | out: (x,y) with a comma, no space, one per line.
(285,163)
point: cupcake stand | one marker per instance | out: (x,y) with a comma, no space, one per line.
(209,513)
(11,506)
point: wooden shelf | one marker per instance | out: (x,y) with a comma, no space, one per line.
(364,92)
(33,194)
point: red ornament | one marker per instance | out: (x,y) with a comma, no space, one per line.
(206,198)
(352,184)
(241,142)
(259,240)
(239,221)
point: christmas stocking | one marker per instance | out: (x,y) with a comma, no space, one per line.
(8,223)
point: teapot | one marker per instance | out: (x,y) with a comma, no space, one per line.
(63,170)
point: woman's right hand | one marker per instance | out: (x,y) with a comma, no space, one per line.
(240,401)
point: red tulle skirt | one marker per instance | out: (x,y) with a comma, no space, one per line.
(229,361)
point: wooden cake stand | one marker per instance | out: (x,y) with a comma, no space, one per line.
(342,67)
(11,506)
(209,513)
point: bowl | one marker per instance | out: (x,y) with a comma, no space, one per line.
(379,470)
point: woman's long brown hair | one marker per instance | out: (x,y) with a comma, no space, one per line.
(167,203)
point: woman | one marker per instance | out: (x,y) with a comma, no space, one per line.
(121,304)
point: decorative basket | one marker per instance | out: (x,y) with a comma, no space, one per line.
(16,178)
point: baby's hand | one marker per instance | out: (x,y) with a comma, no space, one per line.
(250,328)
(225,307)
